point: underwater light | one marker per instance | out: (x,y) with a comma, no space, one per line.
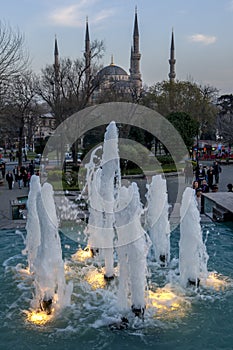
(216,281)
(167,303)
(83,254)
(96,279)
(38,317)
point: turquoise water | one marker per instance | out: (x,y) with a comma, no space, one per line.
(203,320)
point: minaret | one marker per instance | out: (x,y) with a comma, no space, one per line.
(87,55)
(56,64)
(172,60)
(56,67)
(135,75)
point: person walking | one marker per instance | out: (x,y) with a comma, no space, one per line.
(15,172)
(210,176)
(31,168)
(9,179)
(217,170)
(20,178)
(3,169)
(25,178)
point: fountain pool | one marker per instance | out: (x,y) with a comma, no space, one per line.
(175,318)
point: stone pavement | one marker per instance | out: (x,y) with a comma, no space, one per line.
(6,196)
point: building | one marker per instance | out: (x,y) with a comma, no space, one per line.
(113,78)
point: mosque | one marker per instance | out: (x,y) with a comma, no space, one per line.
(114,77)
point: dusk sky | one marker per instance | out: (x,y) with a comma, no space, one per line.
(202,29)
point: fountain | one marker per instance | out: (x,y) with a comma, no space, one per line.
(151,305)
(103,185)
(193,257)
(132,248)
(33,226)
(115,214)
(44,250)
(157,222)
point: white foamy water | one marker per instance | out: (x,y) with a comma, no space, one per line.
(192,251)
(157,221)
(46,255)
(103,186)
(32,226)
(132,248)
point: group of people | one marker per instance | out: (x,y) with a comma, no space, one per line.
(206,178)
(202,177)
(20,175)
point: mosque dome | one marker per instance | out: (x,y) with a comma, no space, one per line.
(113,70)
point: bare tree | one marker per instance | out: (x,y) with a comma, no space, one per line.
(69,92)
(13,56)
(14,60)
(66,89)
(21,107)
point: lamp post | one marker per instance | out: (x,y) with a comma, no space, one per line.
(25,144)
(33,145)
(197,160)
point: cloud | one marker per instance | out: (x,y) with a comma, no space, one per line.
(204,39)
(102,15)
(66,16)
(74,15)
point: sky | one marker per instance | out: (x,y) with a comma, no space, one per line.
(202,31)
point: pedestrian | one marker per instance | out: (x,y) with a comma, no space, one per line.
(3,169)
(15,172)
(20,179)
(201,175)
(217,170)
(229,188)
(25,156)
(210,176)
(31,168)
(196,187)
(25,177)
(204,187)
(9,179)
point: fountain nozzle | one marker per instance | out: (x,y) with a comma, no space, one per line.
(194,282)
(46,305)
(163,260)
(138,311)
(109,278)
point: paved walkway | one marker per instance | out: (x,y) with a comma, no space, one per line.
(6,196)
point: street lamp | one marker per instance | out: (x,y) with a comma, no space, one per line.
(25,144)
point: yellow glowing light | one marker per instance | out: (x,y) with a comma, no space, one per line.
(95,279)
(23,271)
(26,271)
(167,303)
(216,281)
(38,317)
(83,254)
